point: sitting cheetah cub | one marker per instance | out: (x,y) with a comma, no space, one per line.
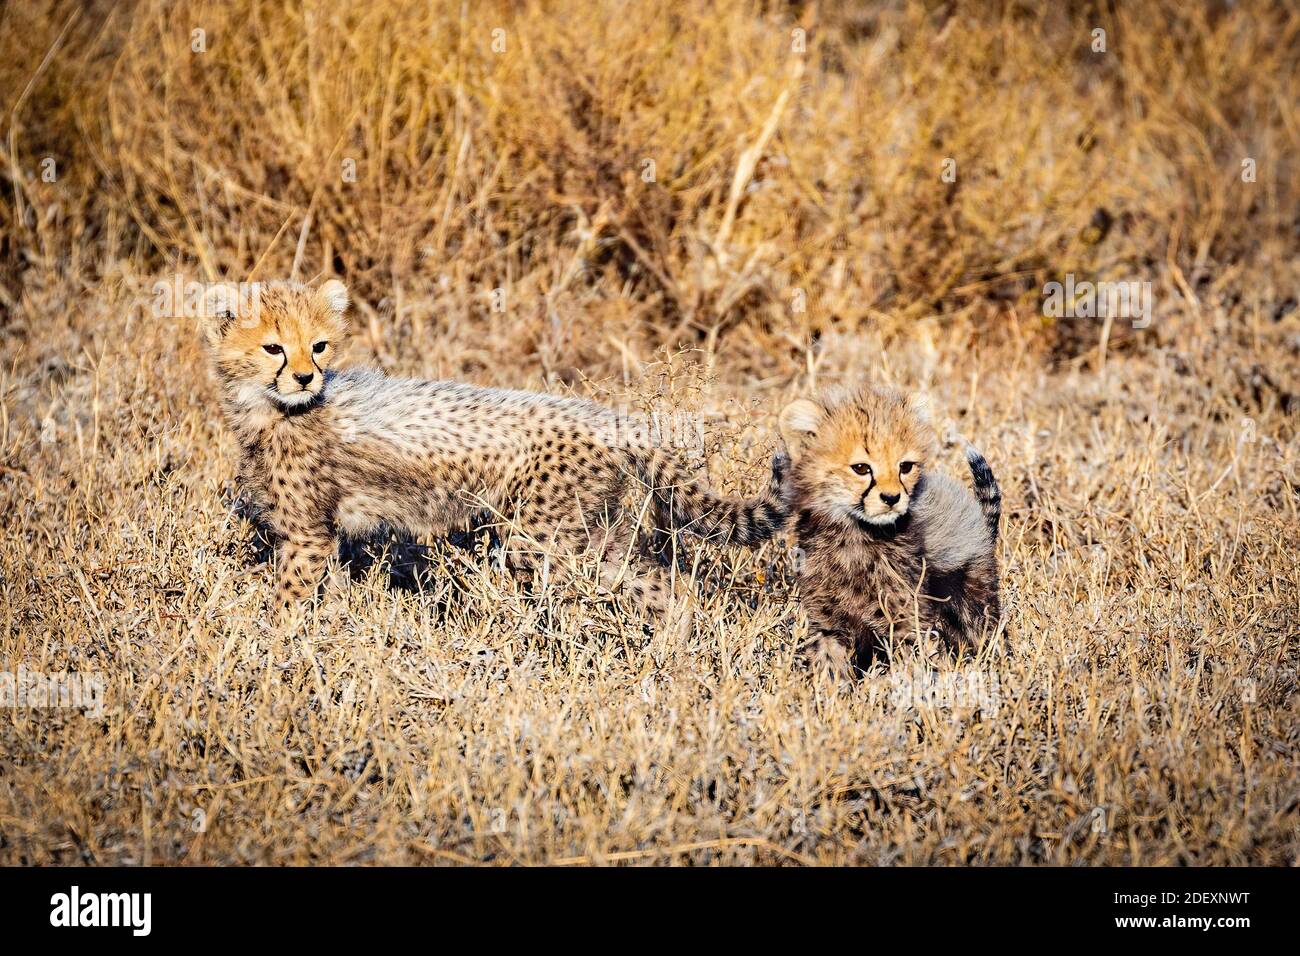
(325,451)
(888,547)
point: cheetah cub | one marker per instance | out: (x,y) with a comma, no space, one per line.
(325,451)
(889,547)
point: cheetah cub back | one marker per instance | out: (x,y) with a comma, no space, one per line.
(325,451)
(889,546)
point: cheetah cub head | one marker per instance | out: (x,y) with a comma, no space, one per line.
(859,457)
(275,341)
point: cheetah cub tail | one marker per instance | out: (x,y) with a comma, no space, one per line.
(683,504)
(987,492)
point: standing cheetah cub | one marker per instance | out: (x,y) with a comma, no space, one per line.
(889,547)
(326,451)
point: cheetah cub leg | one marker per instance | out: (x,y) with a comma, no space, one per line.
(654,589)
(829,656)
(301,560)
(651,588)
(621,569)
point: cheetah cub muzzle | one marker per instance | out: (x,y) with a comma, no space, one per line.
(324,452)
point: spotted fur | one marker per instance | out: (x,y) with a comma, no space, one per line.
(326,451)
(889,547)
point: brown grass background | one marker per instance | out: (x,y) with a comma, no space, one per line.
(796,232)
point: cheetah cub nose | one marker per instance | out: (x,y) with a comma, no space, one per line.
(303,378)
(890,500)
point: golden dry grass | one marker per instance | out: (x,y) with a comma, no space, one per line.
(1141,705)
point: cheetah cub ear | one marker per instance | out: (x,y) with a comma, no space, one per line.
(334,296)
(219,308)
(799,423)
(920,405)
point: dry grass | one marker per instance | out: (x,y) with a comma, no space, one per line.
(1145,688)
